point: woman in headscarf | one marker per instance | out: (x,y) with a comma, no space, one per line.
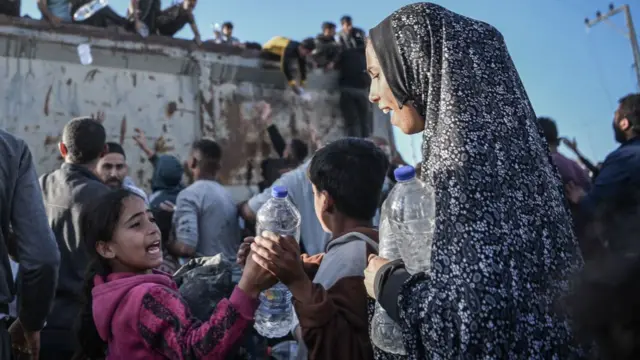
(503,245)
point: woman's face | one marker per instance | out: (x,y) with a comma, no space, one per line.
(135,245)
(407,118)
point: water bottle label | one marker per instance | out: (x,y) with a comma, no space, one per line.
(274,302)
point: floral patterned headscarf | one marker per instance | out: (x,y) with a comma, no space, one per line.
(503,243)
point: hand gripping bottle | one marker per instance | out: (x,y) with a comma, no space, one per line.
(406,231)
(275,315)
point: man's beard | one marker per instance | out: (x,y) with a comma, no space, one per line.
(114,182)
(620,136)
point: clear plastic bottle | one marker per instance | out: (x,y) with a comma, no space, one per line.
(89,9)
(286,350)
(413,214)
(84,52)
(406,231)
(143,30)
(385,333)
(275,315)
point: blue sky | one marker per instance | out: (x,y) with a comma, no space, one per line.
(571,75)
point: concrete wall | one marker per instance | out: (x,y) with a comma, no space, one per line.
(173,91)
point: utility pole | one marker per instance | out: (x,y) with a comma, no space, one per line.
(630,33)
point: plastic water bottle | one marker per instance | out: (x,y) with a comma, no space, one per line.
(143,30)
(286,350)
(412,214)
(275,315)
(385,333)
(84,52)
(89,9)
(406,230)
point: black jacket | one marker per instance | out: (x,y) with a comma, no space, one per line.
(356,39)
(66,192)
(21,209)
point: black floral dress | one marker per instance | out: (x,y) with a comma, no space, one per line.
(503,245)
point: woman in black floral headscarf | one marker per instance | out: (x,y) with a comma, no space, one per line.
(503,244)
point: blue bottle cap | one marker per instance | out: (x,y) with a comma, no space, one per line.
(279,192)
(404,173)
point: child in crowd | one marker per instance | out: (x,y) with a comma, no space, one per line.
(133,312)
(347,177)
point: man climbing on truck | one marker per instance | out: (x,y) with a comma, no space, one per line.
(286,51)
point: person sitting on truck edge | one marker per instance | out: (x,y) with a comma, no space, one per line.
(57,12)
(170,20)
(333,309)
(226,35)
(11,7)
(285,51)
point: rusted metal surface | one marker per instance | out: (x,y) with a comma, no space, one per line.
(166,87)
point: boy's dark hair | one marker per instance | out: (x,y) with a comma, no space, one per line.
(84,138)
(115,148)
(346,20)
(300,149)
(309,44)
(210,155)
(328,25)
(228,24)
(352,172)
(630,108)
(550,130)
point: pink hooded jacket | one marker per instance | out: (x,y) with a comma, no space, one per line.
(144,317)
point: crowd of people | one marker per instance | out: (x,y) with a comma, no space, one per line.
(533,254)
(329,50)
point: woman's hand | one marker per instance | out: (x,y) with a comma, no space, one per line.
(375,263)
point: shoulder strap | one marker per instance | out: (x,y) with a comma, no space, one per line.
(372,246)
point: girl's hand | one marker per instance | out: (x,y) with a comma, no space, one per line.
(244,250)
(255,278)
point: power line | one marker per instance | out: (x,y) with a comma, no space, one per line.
(630,32)
(599,70)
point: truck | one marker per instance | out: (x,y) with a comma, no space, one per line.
(173,90)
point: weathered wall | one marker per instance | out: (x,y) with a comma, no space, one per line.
(166,87)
